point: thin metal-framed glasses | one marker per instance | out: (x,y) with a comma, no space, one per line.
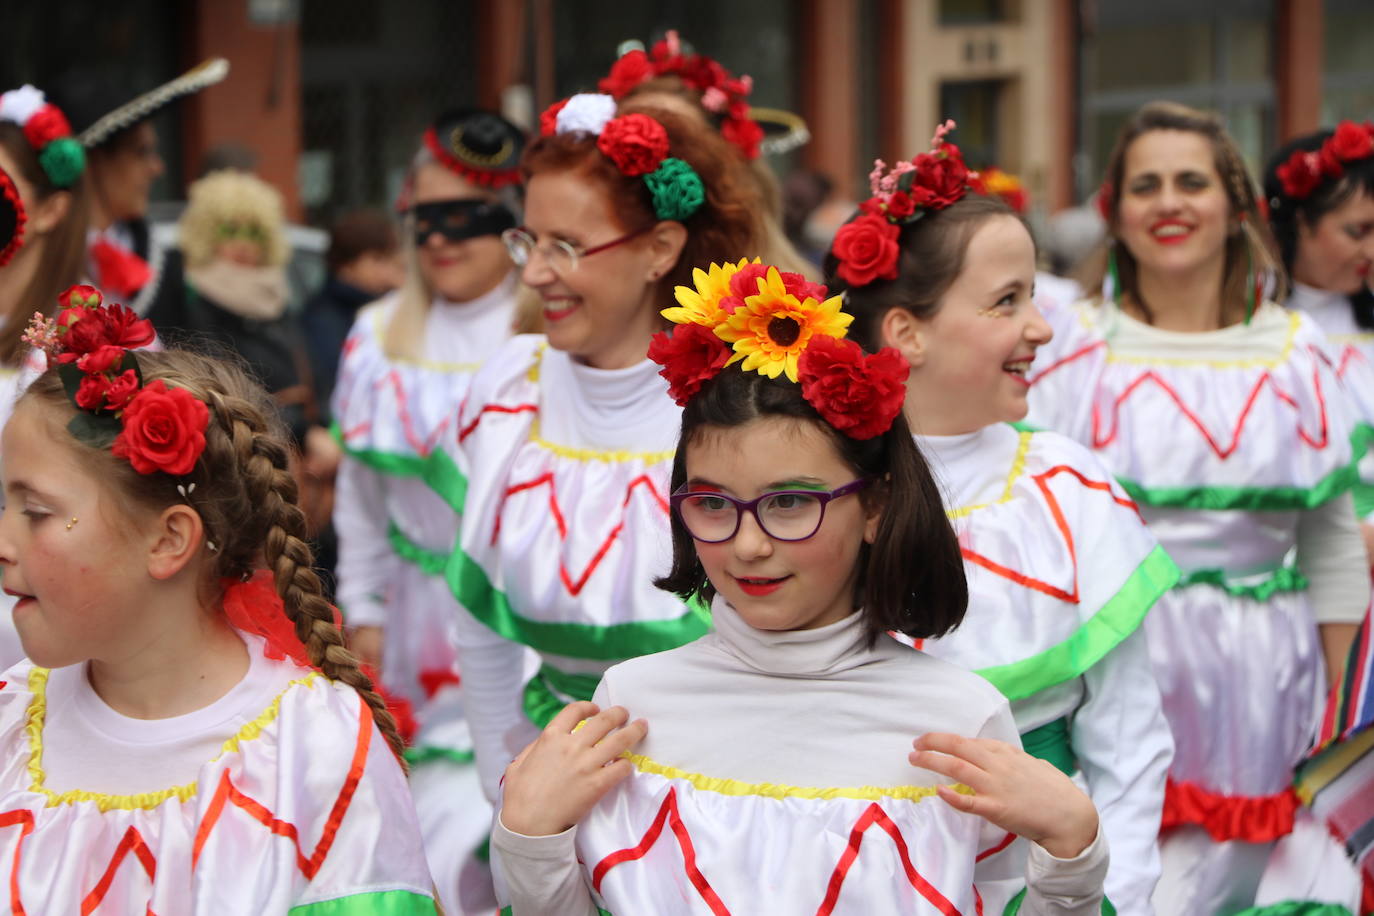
(784,515)
(562,257)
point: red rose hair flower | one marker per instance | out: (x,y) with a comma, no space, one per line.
(859,395)
(1301,174)
(690,356)
(164,430)
(1306,170)
(867,250)
(636,143)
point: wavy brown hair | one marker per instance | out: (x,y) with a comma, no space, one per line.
(63,262)
(1249,248)
(246,496)
(726,227)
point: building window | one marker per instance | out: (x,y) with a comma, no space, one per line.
(973,12)
(976,106)
(1348,80)
(1220,58)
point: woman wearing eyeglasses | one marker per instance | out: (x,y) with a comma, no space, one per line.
(569,437)
(405,369)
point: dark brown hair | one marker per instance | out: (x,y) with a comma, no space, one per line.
(1286,213)
(931,258)
(360,232)
(246,496)
(1251,247)
(64,249)
(911,578)
(725,228)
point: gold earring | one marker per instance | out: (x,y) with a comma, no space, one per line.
(72,522)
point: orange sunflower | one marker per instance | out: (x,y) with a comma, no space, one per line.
(773,328)
(702,305)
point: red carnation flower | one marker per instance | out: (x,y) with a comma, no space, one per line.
(47,124)
(164,430)
(87,331)
(744,133)
(867,250)
(548,120)
(858,395)
(690,356)
(126,329)
(636,143)
(627,73)
(79,297)
(746,281)
(802,288)
(1301,174)
(1350,141)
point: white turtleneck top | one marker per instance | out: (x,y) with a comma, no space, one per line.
(772,756)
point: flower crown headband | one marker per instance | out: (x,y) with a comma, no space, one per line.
(778,323)
(45,127)
(155,427)
(1305,170)
(637,144)
(866,247)
(722,93)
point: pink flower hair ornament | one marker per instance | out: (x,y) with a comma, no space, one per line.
(867,246)
(154,426)
(778,324)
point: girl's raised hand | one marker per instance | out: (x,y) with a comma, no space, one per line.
(1017,792)
(563,773)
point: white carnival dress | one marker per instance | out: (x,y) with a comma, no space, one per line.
(1231,442)
(1061,573)
(564,529)
(774,779)
(399,485)
(299,806)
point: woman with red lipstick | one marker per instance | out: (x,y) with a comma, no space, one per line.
(777,751)
(1061,569)
(569,436)
(1220,416)
(405,370)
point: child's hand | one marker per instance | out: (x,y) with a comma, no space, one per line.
(1017,792)
(563,774)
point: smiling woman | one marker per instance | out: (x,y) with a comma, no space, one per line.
(1220,414)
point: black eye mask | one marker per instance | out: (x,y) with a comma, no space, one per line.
(456,220)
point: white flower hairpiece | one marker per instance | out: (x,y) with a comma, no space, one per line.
(586,111)
(18,105)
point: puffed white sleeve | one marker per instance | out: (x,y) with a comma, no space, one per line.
(366,563)
(1331,555)
(1124,747)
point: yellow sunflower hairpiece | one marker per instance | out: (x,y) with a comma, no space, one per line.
(701,305)
(773,327)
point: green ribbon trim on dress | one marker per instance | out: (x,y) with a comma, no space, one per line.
(1283,579)
(1014,905)
(474,590)
(1050,742)
(431,562)
(1297,908)
(378,903)
(418,755)
(1258,499)
(540,701)
(436,469)
(1094,638)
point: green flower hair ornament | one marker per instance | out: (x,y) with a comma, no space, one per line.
(676,189)
(63,161)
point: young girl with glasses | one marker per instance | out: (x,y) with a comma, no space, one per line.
(568,437)
(797,759)
(405,370)
(1061,569)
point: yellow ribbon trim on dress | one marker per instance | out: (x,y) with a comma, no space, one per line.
(1294,320)
(1018,466)
(584,454)
(769,790)
(38,710)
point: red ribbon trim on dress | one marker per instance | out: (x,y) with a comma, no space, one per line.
(1254,819)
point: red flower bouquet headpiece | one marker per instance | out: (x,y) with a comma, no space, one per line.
(1305,170)
(778,323)
(722,93)
(637,144)
(866,247)
(156,427)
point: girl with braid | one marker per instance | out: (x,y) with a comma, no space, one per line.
(188,733)
(1218,413)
